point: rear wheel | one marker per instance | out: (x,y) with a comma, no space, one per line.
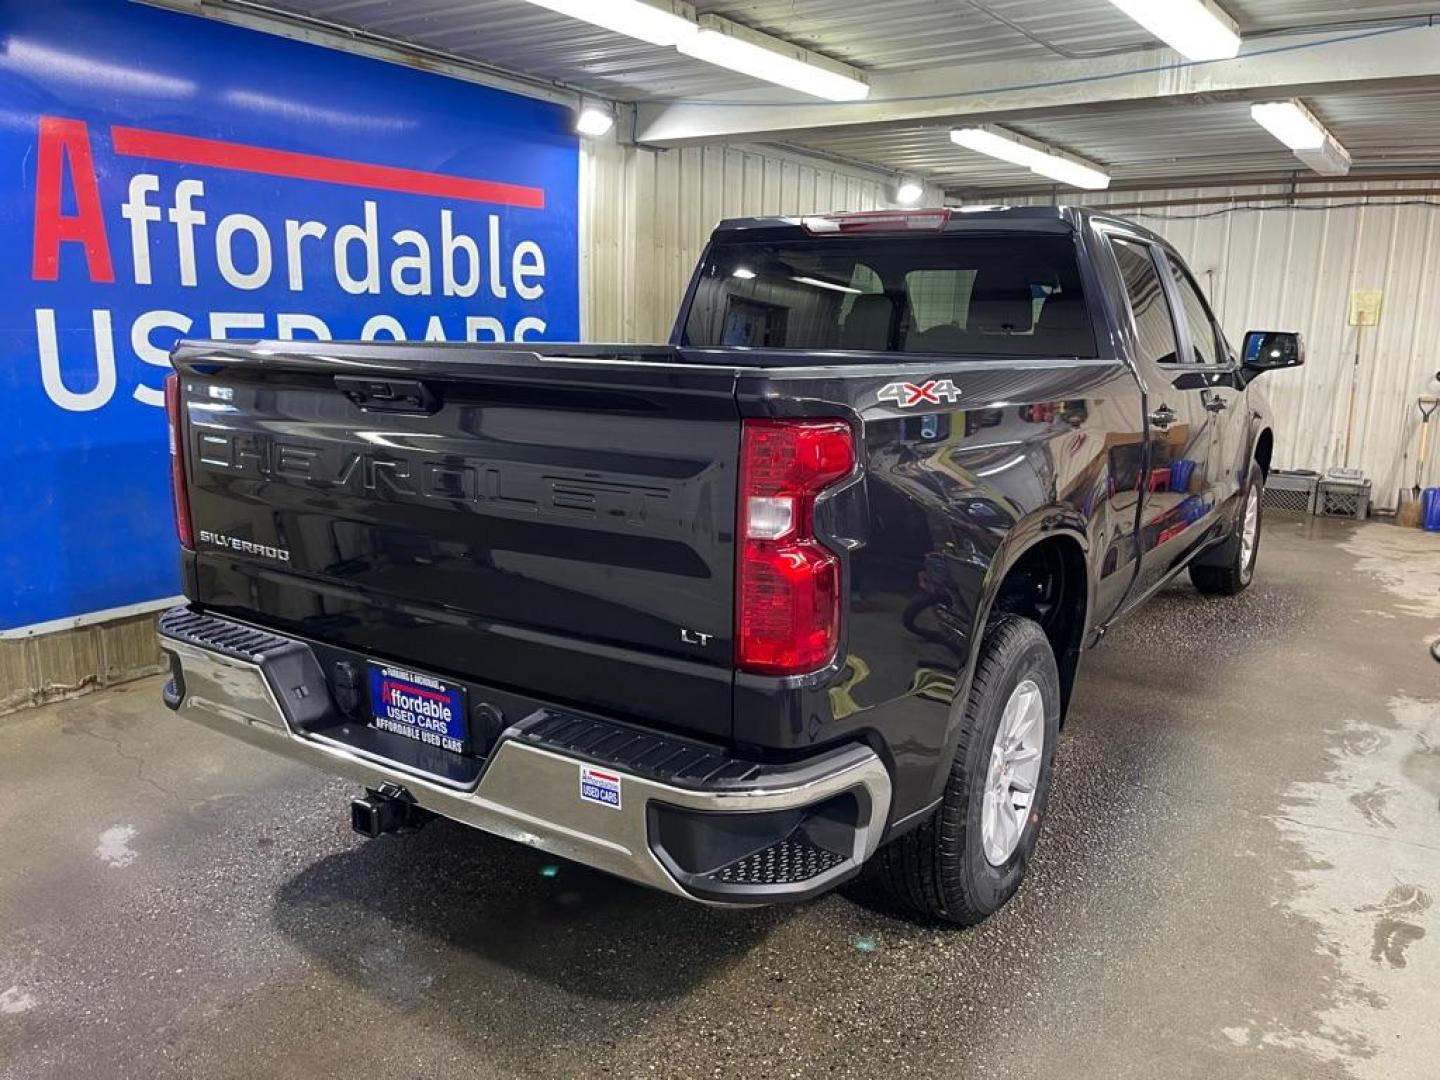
(969,857)
(1236,564)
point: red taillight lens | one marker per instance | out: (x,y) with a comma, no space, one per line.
(177,461)
(788,583)
(877,221)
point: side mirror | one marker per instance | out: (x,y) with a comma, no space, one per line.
(1272,350)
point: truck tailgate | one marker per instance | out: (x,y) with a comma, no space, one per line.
(558,526)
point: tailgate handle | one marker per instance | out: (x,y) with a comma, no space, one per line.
(388,395)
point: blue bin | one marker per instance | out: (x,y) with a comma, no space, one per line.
(1430,509)
(1180,471)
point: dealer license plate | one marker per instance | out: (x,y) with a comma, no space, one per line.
(419,707)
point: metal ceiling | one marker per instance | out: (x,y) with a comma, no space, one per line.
(1382,127)
(532,41)
(880,35)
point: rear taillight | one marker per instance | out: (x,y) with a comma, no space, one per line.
(788,583)
(177,461)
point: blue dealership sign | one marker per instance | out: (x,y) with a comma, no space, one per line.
(169,176)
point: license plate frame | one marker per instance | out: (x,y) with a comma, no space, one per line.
(418,706)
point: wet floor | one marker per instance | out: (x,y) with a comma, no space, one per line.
(1239,878)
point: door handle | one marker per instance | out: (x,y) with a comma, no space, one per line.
(389,395)
(1215,403)
(1162,417)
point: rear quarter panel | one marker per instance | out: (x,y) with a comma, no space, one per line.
(951,494)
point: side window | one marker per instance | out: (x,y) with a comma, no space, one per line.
(939,298)
(863,282)
(1153,326)
(864,311)
(1203,338)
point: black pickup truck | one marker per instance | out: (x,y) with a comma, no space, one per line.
(804,590)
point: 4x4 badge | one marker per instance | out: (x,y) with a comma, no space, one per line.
(931,392)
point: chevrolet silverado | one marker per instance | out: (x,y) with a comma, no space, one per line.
(801,592)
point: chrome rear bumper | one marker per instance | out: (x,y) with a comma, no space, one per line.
(530,794)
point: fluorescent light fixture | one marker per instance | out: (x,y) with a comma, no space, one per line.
(1331,159)
(659,23)
(909,192)
(1290,122)
(990,141)
(594,120)
(1029,154)
(1296,127)
(744,273)
(761,56)
(719,41)
(832,286)
(1071,172)
(1196,29)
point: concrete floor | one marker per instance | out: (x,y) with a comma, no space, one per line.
(1236,880)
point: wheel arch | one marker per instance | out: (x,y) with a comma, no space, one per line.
(1058,558)
(1048,540)
(1264,450)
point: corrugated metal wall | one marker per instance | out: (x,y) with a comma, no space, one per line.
(646,214)
(1294,267)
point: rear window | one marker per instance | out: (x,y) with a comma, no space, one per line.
(1013,295)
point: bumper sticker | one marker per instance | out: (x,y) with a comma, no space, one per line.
(599,787)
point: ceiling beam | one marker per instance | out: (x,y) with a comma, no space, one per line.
(1291,179)
(1278,67)
(1425,194)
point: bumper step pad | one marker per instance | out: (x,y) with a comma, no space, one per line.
(790,861)
(666,759)
(231,639)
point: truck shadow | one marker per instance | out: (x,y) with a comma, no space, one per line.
(452,914)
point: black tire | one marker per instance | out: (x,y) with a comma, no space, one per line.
(1229,571)
(939,871)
